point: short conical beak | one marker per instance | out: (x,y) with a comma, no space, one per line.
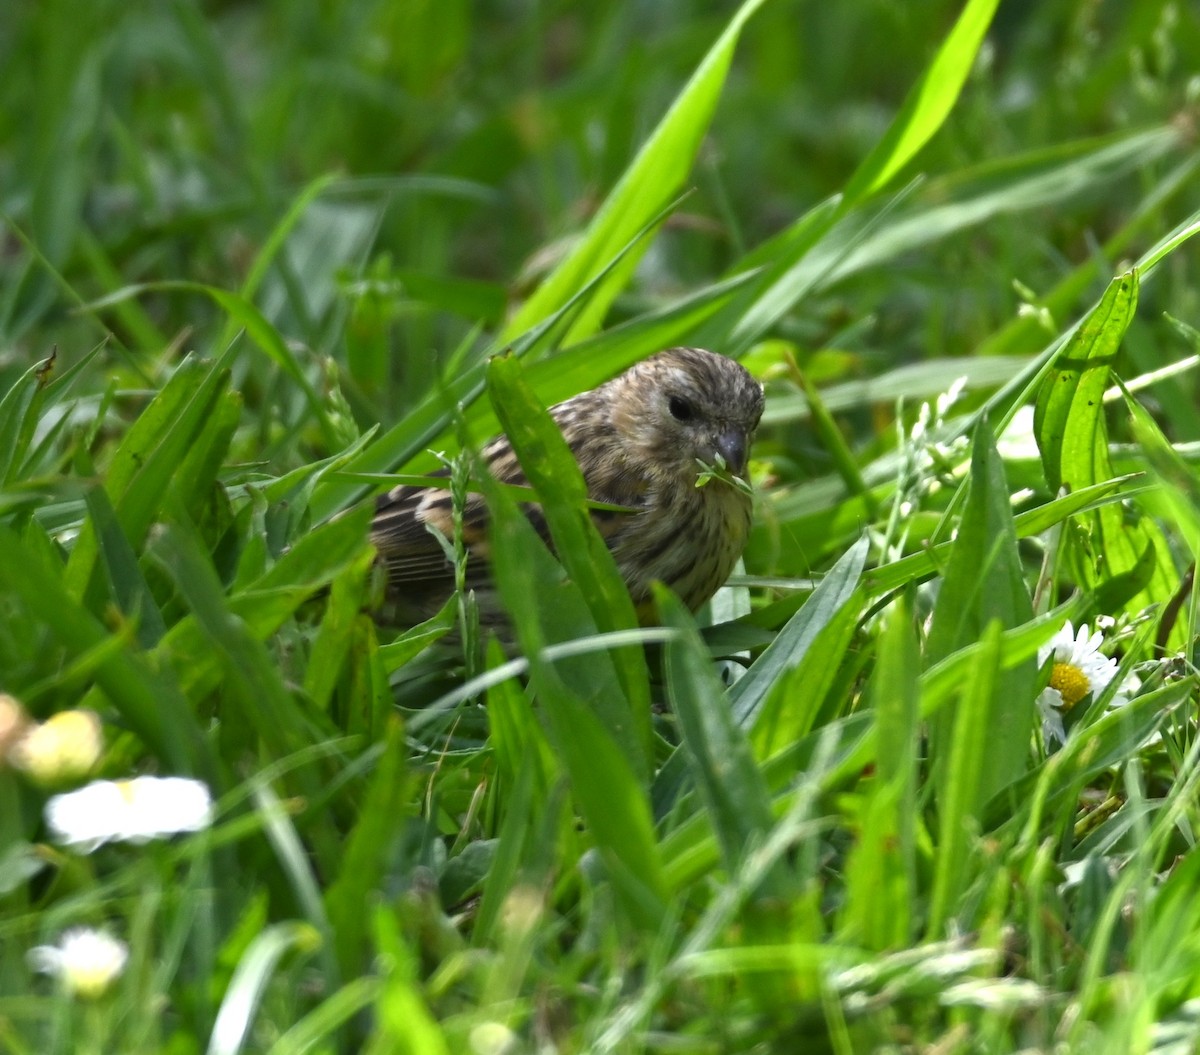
(731,445)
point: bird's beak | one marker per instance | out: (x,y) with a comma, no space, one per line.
(731,445)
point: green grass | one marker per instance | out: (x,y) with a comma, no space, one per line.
(256,255)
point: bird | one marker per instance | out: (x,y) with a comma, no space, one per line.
(642,441)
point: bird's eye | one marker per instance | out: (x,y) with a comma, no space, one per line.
(680,408)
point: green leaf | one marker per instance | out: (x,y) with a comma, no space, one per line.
(1112,740)
(881,872)
(368,852)
(790,646)
(799,699)
(124,582)
(928,104)
(250,682)
(19,410)
(719,757)
(188,413)
(984,584)
(1068,419)
(448,412)
(527,767)
(244,315)
(553,472)
(261,608)
(416,639)
(967,776)
(1121,556)
(592,362)
(587,719)
(338,631)
(1028,524)
(328,1017)
(648,184)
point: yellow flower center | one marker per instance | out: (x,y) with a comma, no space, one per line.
(1071,682)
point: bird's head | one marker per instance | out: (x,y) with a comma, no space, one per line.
(685,405)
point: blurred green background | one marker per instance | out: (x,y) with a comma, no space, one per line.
(153,141)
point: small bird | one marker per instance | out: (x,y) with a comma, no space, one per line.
(641,440)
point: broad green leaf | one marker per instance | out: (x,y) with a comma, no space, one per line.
(789,647)
(1118,556)
(1069,421)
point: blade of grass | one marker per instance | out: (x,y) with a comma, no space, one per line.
(928,103)
(719,758)
(983,583)
(650,181)
(966,783)
(881,872)
(592,735)
(552,470)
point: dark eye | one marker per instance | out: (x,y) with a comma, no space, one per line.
(680,408)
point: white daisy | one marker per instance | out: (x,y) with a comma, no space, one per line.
(135,811)
(1079,670)
(85,961)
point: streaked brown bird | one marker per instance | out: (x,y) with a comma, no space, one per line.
(639,441)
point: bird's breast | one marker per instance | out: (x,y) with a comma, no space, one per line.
(687,537)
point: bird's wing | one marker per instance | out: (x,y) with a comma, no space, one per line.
(405,530)
(418,567)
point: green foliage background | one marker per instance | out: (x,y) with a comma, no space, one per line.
(273,250)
